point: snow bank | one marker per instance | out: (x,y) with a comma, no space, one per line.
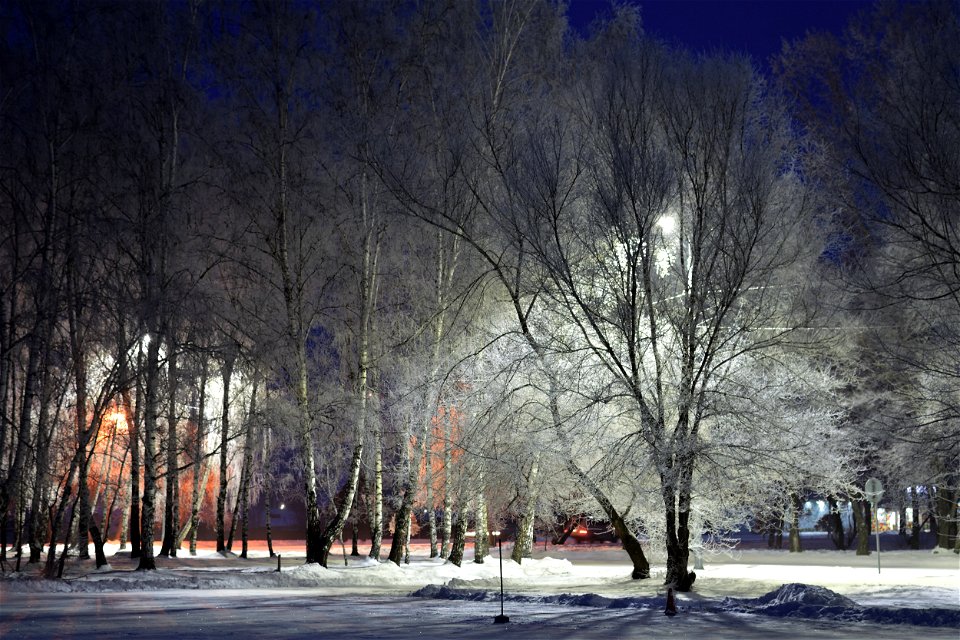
(807,601)
(450,592)
(361,575)
(789,601)
(796,593)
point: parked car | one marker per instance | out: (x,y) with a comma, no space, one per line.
(588,530)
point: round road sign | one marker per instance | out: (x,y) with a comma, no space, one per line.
(873,489)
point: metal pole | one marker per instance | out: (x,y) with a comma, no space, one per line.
(500,549)
(876,514)
(500,619)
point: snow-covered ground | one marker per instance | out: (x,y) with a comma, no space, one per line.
(574,591)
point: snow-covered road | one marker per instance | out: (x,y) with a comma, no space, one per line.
(563,592)
(298,613)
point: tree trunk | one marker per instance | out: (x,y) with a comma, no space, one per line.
(85,431)
(150,413)
(406,546)
(676,505)
(39,504)
(481,542)
(57,519)
(861,521)
(641,567)
(117,493)
(39,521)
(98,546)
(103,479)
(566,528)
(775,531)
(523,546)
(125,517)
(932,517)
(354,539)
(171,517)
(199,477)
(5,362)
(334,529)
(915,525)
(295,329)
(946,503)
(837,534)
(459,538)
(134,421)
(265,456)
(368,286)
(376,522)
(229,357)
(317,547)
(431,505)
(402,517)
(446,530)
(38,343)
(795,546)
(266,508)
(235,514)
(247,470)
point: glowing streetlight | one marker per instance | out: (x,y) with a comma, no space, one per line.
(667,224)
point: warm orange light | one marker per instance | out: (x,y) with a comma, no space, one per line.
(119,420)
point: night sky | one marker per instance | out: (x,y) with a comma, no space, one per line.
(756,27)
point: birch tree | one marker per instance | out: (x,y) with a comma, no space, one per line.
(523,41)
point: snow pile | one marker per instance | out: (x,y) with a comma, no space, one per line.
(450,592)
(807,601)
(361,575)
(801,594)
(800,600)
(788,601)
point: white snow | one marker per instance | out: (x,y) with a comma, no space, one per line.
(570,591)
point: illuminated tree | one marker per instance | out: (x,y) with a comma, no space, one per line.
(676,239)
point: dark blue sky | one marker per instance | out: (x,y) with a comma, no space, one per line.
(756,27)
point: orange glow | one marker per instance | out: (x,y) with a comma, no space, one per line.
(119,419)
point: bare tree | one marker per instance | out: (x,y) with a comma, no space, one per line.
(674,242)
(884,102)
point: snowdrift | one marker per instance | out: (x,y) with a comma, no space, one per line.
(790,600)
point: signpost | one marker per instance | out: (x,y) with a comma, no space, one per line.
(873,490)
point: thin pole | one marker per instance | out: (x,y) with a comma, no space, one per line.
(500,619)
(877,531)
(500,549)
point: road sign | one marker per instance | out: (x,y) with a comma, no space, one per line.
(873,490)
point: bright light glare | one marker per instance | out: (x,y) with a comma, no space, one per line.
(119,420)
(667,224)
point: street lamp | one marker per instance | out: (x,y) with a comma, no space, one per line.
(500,619)
(667,224)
